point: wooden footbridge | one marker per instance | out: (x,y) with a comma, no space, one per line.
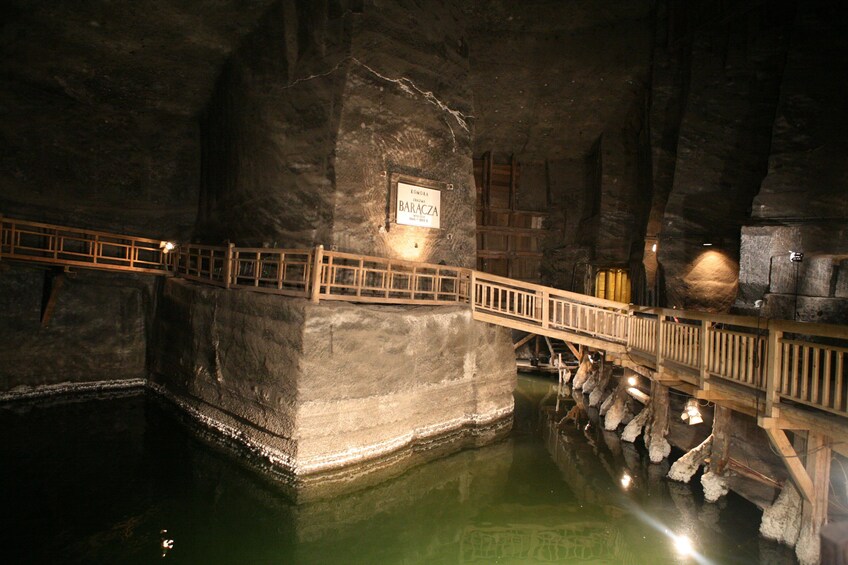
(789,375)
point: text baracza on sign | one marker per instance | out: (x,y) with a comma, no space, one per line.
(417,206)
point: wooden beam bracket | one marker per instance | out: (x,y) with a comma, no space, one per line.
(793,463)
(54,280)
(522,341)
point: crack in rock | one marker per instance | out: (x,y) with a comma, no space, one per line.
(406,85)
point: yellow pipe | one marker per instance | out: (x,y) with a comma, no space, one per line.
(600,281)
(617,292)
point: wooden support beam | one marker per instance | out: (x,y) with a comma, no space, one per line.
(522,341)
(317,266)
(574,350)
(818,468)
(793,463)
(550,348)
(720,452)
(777,422)
(54,280)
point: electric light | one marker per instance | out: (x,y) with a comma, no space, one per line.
(632,381)
(167,246)
(654,248)
(708,244)
(626,481)
(683,545)
(691,413)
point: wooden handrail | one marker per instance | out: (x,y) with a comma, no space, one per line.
(809,366)
(575,296)
(52,244)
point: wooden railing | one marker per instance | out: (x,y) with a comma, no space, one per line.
(812,367)
(58,245)
(530,306)
(278,271)
(341,276)
(804,363)
(203,263)
(360,278)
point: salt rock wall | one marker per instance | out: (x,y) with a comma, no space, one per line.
(100,102)
(269,130)
(721,152)
(406,110)
(802,204)
(319,108)
(323,387)
(98,331)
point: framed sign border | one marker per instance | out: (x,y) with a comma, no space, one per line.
(394,179)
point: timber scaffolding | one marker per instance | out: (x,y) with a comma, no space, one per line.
(789,375)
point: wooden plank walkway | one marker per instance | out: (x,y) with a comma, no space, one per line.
(768,364)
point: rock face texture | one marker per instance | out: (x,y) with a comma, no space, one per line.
(269,130)
(281,123)
(318,110)
(100,103)
(322,387)
(802,205)
(721,150)
(407,110)
(98,330)
(551,80)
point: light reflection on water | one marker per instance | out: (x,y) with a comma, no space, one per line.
(121,481)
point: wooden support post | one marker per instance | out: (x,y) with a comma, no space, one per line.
(703,355)
(550,349)
(773,367)
(793,463)
(818,468)
(472,290)
(54,280)
(228,266)
(545,308)
(720,453)
(2,239)
(660,337)
(317,265)
(658,446)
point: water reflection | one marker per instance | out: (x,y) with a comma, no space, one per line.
(113,480)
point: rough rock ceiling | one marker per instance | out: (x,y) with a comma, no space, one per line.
(154,55)
(100,103)
(549,77)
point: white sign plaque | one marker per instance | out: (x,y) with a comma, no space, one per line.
(418,206)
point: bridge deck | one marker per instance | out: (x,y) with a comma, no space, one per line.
(755,362)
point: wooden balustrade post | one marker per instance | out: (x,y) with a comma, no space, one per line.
(472,290)
(660,339)
(773,367)
(545,308)
(703,355)
(228,266)
(317,265)
(12,239)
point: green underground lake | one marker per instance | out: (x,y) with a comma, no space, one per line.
(122,479)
